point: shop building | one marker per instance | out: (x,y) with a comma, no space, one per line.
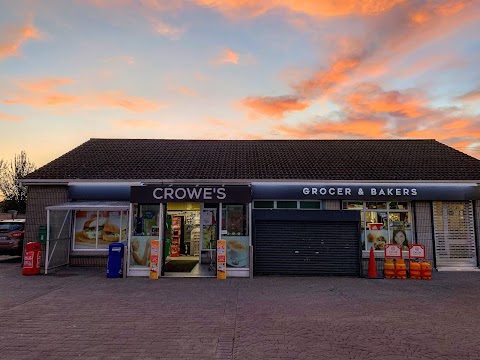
(285,207)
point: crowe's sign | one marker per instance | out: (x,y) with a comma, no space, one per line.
(152,194)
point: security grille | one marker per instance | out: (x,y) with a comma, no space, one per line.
(454,234)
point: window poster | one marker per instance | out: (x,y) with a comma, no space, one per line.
(140,250)
(238,252)
(98,229)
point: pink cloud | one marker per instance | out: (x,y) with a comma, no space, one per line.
(473,95)
(45,93)
(184,90)
(10,117)
(228,56)
(12,38)
(215,122)
(136,124)
(119,99)
(41,93)
(274,107)
(167,30)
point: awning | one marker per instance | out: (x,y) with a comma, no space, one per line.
(91,205)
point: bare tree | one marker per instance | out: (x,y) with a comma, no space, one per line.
(10,175)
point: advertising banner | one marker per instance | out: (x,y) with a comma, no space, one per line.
(154,259)
(140,250)
(393,251)
(221,259)
(416,251)
(97,230)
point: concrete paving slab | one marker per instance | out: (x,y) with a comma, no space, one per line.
(79,313)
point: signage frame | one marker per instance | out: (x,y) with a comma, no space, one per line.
(155,194)
(393,251)
(422,247)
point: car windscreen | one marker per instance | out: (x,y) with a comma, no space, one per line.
(10,226)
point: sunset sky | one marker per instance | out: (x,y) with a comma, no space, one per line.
(237,69)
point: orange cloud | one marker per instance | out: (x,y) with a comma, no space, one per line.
(473,95)
(10,117)
(228,56)
(275,107)
(370,98)
(184,90)
(11,39)
(352,128)
(324,80)
(136,124)
(119,99)
(215,122)
(42,93)
(308,7)
(167,30)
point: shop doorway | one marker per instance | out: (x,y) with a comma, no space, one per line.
(190,240)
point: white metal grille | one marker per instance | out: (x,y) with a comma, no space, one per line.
(454,234)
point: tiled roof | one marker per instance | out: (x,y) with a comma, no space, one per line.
(319,160)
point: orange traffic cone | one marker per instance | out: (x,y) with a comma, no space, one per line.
(372,266)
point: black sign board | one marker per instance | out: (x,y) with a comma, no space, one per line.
(153,194)
(370,192)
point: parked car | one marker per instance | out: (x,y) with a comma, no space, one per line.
(12,233)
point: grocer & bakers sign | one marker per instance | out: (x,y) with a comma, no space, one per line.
(207,194)
(365,192)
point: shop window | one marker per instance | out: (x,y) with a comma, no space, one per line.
(352,205)
(235,219)
(96,230)
(310,205)
(263,205)
(286,205)
(376,205)
(381,225)
(394,205)
(146,229)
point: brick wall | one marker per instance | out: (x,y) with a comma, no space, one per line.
(40,197)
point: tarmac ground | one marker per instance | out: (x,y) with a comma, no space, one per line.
(79,313)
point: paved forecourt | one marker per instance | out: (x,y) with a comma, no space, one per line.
(79,313)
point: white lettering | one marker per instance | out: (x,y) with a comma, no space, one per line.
(331,191)
(373,191)
(221,194)
(178,191)
(323,191)
(159,197)
(339,191)
(168,193)
(314,191)
(414,192)
(194,193)
(398,192)
(381,192)
(390,192)
(207,193)
(348,191)
(405,191)
(306,191)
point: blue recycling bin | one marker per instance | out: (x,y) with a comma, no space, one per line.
(115,260)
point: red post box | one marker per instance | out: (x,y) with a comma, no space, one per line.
(31,258)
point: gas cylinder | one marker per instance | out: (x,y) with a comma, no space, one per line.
(426,270)
(31,258)
(400,269)
(389,269)
(415,270)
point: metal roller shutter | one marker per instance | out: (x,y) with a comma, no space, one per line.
(307,246)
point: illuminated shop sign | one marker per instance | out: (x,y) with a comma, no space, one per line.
(364,192)
(360,191)
(206,194)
